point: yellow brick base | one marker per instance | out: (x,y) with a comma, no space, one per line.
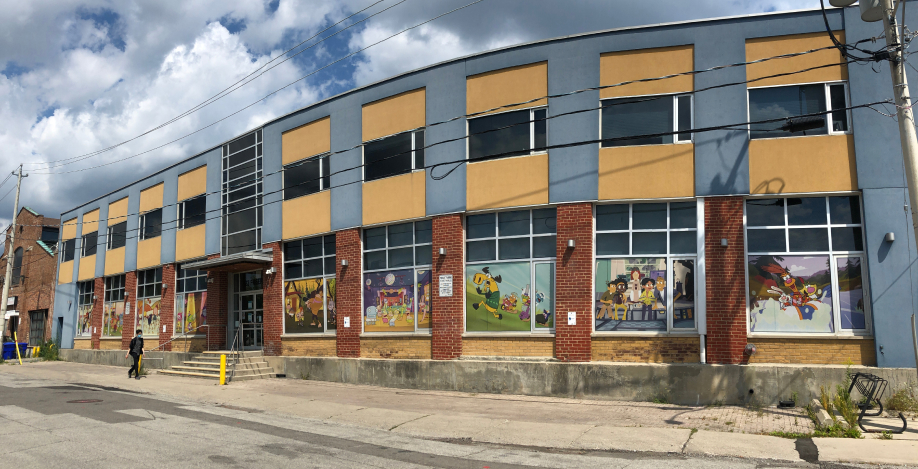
(82,344)
(508,347)
(308,346)
(395,347)
(196,345)
(110,344)
(814,351)
(647,349)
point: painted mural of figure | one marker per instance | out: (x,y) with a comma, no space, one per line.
(491,291)
(527,305)
(424,303)
(509,303)
(660,295)
(314,304)
(294,304)
(647,298)
(634,285)
(802,295)
(607,299)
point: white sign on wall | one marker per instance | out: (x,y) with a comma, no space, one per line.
(347,321)
(571,318)
(446,285)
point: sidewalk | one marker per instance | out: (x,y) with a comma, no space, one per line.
(507,419)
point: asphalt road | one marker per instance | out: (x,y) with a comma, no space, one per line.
(49,424)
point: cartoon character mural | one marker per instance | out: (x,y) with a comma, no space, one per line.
(631,294)
(388,301)
(112,319)
(191,313)
(423,294)
(304,305)
(84,315)
(793,297)
(148,312)
(487,286)
(506,296)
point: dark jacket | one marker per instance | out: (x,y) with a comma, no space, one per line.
(136,347)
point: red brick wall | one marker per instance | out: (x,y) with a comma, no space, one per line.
(574,282)
(130,310)
(167,307)
(348,291)
(725,279)
(217,307)
(274,304)
(446,312)
(96,318)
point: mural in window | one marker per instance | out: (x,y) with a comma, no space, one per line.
(113,319)
(511,296)
(148,316)
(84,310)
(309,290)
(396,288)
(190,301)
(639,287)
(805,265)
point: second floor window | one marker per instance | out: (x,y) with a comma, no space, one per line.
(151,224)
(789,101)
(192,212)
(668,116)
(513,133)
(90,241)
(117,235)
(306,177)
(67,252)
(49,235)
(393,155)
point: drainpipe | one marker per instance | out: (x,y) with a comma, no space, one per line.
(703,357)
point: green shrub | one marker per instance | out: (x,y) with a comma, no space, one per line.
(49,351)
(903,400)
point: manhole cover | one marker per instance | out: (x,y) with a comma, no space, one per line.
(84,401)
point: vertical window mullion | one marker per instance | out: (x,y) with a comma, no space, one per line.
(413,144)
(829,229)
(531,130)
(786,229)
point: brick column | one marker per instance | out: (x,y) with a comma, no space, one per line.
(129,323)
(217,309)
(446,312)
(347,291)
(274,304)
(167,307)
(725,279)
(96,319)
(574,282)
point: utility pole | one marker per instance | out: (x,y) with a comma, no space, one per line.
(907,135)
(9,257)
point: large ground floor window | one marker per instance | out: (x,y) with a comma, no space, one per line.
(149,301)
(85,302)
(190,301)
(310,287)
(113,308)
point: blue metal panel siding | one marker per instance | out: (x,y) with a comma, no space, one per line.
(133,224)
(65,306)
(102,239)
(445,100)
(272,213)
(170,213)
(214,160)
(346,193)
(891,283)
(573,172)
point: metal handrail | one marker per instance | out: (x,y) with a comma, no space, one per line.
(183,335)
(234,352)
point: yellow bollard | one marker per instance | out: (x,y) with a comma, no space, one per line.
(16,346)
(222,370)
(36,351)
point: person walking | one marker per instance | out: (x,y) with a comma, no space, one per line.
(135,350)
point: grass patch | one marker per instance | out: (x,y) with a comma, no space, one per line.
(885,435)
(660,400)
(49,352)
(903,400)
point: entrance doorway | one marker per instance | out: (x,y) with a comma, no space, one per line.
(247,316)
(37,327)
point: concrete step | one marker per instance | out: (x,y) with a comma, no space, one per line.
(248,378)
(195,369)
(229,361)
(190,374)
(209,364)
(246,354)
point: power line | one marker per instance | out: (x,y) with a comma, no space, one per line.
(508,153)
(271,93)
(692,72)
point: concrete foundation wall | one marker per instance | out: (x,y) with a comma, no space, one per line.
(152,360)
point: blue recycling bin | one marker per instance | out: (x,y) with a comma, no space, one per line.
(9,350)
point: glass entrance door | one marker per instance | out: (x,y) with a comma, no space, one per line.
(247,317)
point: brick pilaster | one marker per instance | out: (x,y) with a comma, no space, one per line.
(446,312)
(167,307)
(129,323)
(217,309)
(725,279)
(347,291)
(273,325)
(574,282)
(96,319)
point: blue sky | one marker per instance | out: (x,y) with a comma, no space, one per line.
(78,76)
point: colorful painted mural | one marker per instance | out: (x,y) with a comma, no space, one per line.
(191,312)
(148,316)
(304,306)
(423,294)
(500,297)
(84,318)
(628,294)
(682,292)
(791,294)
(850,293)
(112,319)
(388,301)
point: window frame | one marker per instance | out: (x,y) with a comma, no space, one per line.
(18,253)
(325,277)
(532,122)
(182,212)
(109,238)
(114,293)
(253,180)
(65,248)
(51,229)
(142,229)
(85,294)
(671,257)
(84,244)
(827,85)
(831,254)
(414,153)
(324,160)
(532,260)
(414,268)
(675,124)
(181,275)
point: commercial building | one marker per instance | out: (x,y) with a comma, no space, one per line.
(482,207)
(32,285)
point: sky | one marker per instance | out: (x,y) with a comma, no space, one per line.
(81,76)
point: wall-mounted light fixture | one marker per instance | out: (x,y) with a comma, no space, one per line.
(442,251)
(126,296)
(271,271)
(890,237)
(571,244)
(165,287)
(343,262)
(724,242)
